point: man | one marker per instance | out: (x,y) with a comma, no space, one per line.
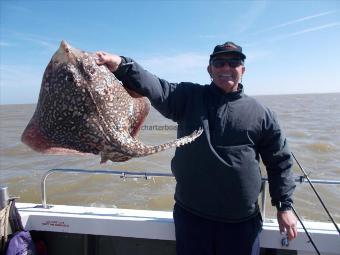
(218,177)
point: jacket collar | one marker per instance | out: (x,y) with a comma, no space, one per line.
(232,95)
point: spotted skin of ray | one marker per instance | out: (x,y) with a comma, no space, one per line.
(84,108)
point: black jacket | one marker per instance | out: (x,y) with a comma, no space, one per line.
(218,175)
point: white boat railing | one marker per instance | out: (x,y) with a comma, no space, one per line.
(151,175)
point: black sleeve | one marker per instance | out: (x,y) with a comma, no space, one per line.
(278,160)
(168,98)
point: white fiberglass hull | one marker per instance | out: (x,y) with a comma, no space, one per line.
(158,225)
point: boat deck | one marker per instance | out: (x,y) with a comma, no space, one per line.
(93,230)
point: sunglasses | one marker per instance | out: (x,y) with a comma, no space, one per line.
(232,62)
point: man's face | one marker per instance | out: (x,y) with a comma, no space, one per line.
(226,71)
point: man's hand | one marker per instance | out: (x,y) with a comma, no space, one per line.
(110,60)
(287,223)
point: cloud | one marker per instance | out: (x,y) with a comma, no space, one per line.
(250,16)
(17,8)
(304,31)
(4,44)
(19,83)
(50,44)
(299,20)
(314,29)
(212,36)
(13,76)
(180,67)
(47,43)
(244,22)
(257,55)
(272,37)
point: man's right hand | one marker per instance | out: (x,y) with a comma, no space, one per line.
(110,60)
(287,223)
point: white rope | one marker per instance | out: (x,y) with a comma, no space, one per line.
(4,214)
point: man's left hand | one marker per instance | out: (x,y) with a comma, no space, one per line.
(287,223)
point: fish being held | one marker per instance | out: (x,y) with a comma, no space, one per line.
(83,108)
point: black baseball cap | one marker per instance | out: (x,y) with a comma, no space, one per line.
(227,47)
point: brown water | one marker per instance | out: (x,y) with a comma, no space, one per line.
(311,122)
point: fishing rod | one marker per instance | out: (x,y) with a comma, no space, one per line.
(308,235)
(317,194)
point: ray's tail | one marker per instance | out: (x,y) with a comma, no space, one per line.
(138,149)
